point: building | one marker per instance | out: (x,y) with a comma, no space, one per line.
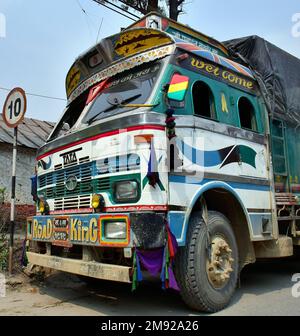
(32,134)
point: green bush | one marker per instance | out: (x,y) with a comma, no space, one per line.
(3,252)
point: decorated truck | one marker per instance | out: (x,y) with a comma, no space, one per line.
(176,155)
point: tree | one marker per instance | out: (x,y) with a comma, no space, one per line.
(146,6)
(142,6)
(175,8)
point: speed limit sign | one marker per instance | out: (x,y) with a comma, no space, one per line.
(14,107)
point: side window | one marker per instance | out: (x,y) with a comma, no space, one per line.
(247,114)
(204,102)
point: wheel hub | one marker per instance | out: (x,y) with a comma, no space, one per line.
(219,267)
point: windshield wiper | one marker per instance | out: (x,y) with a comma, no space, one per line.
(114,106)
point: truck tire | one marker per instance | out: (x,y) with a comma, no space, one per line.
(208,283)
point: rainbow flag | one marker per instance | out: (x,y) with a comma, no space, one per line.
(178,87)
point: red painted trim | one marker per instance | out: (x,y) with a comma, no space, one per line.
(114,209)
(137,208)
(100,136)
(74,211)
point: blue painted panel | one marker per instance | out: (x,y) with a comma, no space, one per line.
(176,220)
(245,186)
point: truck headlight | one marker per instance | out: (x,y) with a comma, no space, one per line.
(115,230)
(126,191)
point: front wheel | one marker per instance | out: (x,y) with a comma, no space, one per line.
(207,267)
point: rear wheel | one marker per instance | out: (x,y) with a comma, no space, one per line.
(207,267)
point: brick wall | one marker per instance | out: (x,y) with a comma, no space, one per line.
(22,212)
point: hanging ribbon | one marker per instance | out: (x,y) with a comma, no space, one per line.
(170,123)
(157,261)
(137,272)
(167,275)
(24,259)
(152,174)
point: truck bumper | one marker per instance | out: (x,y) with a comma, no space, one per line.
(87,268)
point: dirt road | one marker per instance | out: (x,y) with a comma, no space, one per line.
(265,290)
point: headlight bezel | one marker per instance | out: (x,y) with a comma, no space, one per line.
(119,199)
(116,227)
(120,241)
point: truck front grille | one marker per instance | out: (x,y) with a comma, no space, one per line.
(69,203)
(53,185)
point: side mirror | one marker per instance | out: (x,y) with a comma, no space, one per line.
(66,127)
(178,88)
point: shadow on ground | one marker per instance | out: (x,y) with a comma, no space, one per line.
(109,298)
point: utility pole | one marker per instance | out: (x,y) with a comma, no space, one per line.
(13,114)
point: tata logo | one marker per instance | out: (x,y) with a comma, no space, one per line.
(70,157)
(71,182)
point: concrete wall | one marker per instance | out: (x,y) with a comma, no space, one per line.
(25,169)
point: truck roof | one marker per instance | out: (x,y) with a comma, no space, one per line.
(186,33)
(153,37)
(278,74)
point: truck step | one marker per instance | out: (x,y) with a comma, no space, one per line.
(286,199)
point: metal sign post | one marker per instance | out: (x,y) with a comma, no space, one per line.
(12,202)
(13,113)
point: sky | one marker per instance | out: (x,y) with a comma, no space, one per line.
(44,37)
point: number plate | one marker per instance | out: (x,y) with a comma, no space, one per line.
(60,235)
(61,232)
(61,223)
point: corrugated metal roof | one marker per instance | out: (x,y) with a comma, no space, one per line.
(32,133)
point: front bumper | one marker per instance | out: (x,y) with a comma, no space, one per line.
(145,230)
(87,268)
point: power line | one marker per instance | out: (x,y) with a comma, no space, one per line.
(123,9)
(114,10)
(99,30)
(36,95)
(99,2)
(86,17)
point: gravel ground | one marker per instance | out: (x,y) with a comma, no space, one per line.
(265,290)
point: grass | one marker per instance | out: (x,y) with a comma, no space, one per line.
(3,252)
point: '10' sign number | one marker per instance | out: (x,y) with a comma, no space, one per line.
(14,107)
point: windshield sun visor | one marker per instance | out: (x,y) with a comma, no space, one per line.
(114,55)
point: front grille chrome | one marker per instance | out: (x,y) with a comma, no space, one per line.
(68,203)
(89,177)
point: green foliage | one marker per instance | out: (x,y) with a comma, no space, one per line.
(4,217)
(2,195)
(3,252)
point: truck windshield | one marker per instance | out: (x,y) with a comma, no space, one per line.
(130,87)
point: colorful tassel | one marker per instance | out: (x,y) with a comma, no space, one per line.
(134,276)
(154,261)
(137,272)
(167,275)
(171,124)
(24,259)
(152,175)
(138,269)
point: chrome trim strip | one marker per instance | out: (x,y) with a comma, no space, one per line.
(141,118)
(230,178)
(145,117)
